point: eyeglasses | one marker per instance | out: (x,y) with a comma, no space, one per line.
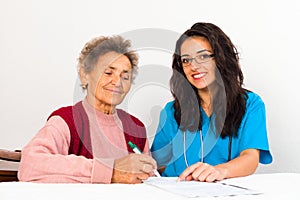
(200,58)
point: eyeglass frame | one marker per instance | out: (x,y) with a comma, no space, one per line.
(190,60)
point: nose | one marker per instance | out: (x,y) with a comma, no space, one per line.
(194,65)
(116,80)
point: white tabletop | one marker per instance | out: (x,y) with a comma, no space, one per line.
(273,187)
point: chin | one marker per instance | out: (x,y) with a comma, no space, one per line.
(202,86)
(115,102)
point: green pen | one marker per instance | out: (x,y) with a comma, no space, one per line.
(135,149)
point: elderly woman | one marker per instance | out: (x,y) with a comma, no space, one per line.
(88,142)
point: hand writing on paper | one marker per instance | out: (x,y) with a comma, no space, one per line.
(202,172)
(133,168)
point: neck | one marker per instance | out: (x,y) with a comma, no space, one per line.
(103,107)
(205,96)
(107,110)
(206,103)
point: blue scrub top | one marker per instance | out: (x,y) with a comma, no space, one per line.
(167,147)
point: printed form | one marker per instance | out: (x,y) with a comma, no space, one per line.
(198,189)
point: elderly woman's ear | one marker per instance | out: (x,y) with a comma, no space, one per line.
(83,78)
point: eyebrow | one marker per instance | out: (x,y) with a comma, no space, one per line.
(113,68)
(196,52)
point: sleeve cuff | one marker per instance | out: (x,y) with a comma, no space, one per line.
(102,170)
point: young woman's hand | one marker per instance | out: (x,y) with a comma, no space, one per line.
(202,172)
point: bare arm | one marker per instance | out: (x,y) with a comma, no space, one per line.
(243,165)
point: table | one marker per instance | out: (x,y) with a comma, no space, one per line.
(273,186)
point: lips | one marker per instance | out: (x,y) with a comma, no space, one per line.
(115,91)
(199,75)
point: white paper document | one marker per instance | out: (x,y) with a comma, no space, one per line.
(198,189)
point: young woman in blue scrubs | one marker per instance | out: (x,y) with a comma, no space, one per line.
(214,128)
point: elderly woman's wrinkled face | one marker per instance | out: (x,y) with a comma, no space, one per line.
(110,80)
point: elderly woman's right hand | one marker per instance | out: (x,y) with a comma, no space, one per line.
(133,168)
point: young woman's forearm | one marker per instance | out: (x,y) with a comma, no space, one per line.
(243,165)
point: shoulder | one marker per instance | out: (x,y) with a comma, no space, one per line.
(58,123)
(63,111)
(168,110)
(253,98)
(254,101)
(167,113)
(169,107)
(67,112)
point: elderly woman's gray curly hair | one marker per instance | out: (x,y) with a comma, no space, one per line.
(98,46)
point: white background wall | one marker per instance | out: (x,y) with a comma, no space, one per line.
(41,39)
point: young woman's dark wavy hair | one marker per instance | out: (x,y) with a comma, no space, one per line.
(187,101)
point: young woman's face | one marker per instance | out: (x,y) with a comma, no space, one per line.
(110,80)
(197,61)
